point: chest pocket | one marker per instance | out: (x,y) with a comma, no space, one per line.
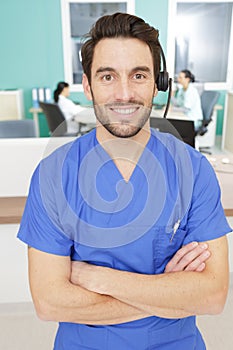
(165,245)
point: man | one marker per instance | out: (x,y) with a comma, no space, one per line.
(113,219)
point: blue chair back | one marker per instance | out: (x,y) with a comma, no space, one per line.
(208,101)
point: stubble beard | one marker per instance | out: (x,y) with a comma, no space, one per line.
(123,128)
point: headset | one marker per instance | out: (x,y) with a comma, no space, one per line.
(163,82)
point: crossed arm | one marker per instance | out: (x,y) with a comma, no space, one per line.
(83,293)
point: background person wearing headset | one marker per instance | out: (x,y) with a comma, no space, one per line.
(187,98)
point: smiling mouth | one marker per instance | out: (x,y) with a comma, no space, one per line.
(125,111)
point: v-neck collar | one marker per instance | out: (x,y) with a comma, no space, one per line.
(106,157)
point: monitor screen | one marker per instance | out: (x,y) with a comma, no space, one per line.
(182,129)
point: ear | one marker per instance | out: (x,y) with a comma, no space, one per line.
(86,87)
(155,91)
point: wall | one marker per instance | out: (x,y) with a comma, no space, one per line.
(31,52)
(155,13)
(31,44)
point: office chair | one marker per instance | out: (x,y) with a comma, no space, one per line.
(17,128)
(208,101)
(55,119)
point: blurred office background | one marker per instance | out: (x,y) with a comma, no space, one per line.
(40,43)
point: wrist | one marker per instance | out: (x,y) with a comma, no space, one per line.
(105,279)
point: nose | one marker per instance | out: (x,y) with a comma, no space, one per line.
(124,91)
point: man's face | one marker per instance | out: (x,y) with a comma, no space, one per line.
(122,85)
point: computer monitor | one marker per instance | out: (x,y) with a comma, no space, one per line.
(182,129)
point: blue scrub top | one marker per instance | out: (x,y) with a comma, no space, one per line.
(80,206)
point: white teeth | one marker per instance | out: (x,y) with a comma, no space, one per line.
(125,111)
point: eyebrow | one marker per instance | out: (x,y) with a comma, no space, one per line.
(141,68)
(104,69)
(135,69)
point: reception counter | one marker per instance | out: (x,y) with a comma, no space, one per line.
(19,158)
(11,209)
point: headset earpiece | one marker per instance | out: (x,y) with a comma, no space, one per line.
(162,81)
(163,78)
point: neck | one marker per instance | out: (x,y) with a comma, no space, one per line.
(123,147)
(125,152)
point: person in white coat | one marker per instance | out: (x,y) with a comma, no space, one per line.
(68,107)
(187,98)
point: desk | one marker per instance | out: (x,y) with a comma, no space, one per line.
(85,117)
(173,113)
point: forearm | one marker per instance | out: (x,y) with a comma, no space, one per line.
(75,304)
(57,298)
(178,294)
(187,292)
(135,290)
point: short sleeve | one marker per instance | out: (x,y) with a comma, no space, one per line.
(206,218)
(37,229)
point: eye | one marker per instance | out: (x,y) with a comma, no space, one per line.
(139,76)
(107,77)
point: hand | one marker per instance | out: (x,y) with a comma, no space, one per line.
(190,257)
(88,276)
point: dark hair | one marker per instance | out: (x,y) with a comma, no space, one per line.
(189,75)
(120,25)
(59,89)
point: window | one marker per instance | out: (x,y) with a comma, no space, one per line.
(77,19)
(202,41)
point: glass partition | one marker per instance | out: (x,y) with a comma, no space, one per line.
(77,19)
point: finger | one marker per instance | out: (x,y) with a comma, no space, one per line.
(185,256)
(195,264)
(193,257)
(201,267)
(180,254)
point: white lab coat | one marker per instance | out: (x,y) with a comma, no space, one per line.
(70,110)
